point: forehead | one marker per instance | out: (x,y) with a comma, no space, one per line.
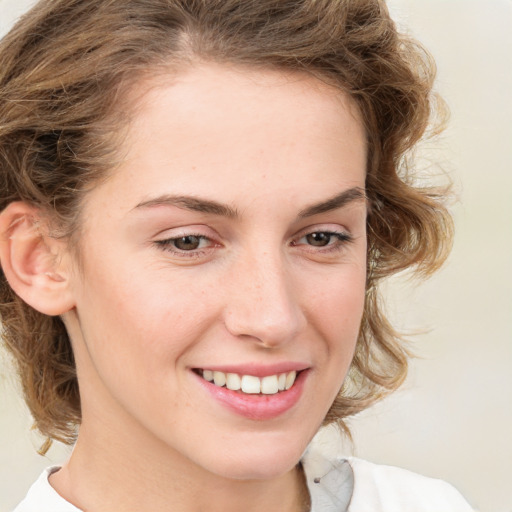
(232,127)
(243,96)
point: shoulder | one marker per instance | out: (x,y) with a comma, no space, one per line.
(41,497)
(355,485)
(388,488)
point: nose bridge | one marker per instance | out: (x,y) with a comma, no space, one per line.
(261,303)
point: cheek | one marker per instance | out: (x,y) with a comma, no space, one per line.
(335,314)
(133,334)
(141,318)
(337,300)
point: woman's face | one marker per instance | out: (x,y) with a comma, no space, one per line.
(230,242)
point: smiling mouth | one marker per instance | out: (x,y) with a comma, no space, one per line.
(250,384)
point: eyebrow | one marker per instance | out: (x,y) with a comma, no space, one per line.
(339,201)
(197,204)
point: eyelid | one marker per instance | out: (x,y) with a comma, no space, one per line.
(164,240)
(341,236)
(167,240)
(186,230)
(323,228)
(199,254)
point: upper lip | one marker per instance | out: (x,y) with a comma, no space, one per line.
(257,370)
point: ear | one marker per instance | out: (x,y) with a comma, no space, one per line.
(37,266)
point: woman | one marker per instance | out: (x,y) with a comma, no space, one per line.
(199,200)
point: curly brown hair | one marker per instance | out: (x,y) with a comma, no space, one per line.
(64,71)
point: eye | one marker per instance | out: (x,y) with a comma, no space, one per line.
(320,239)
(186,244)
(324,240)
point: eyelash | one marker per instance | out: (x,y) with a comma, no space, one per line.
(169,245)
(341,239)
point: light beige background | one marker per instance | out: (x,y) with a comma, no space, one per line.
(453,418)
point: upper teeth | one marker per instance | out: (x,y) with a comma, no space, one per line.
(250,384)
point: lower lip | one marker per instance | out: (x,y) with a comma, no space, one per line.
(257,407)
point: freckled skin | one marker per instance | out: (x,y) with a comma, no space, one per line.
(255,290)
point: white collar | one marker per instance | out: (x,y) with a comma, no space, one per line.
(330,485)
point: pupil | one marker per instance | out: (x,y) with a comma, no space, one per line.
(187,243)
(318,239)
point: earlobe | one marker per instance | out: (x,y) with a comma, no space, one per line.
(35,264)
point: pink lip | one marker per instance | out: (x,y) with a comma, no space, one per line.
(256,407)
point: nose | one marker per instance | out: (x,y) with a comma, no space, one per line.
(262,304)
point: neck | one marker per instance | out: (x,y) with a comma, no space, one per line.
(124,475)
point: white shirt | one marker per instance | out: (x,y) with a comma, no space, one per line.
(344,485)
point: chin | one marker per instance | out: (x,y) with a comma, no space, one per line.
(260,461)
